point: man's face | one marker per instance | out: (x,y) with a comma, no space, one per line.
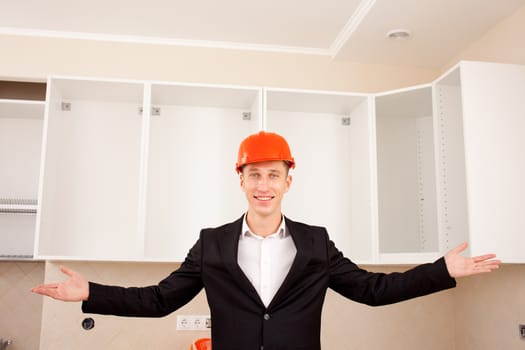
(264,184)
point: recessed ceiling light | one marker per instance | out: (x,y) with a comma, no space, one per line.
(398,34)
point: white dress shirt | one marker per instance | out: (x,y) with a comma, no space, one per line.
(266,260)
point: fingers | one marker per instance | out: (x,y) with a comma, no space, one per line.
(486,268)
(483,265)
(492,264)
(485,257)
(66,271)
(50,290)
(42,287)
(460,248)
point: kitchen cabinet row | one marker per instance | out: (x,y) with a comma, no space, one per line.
(132,170)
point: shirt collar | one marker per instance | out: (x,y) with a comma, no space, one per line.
(280,233)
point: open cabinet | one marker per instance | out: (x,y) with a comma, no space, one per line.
(90,189)
(194,131)
(406,176)
(133,170)
(330,137)
(21,123)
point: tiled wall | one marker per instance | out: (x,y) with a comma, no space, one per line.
(489,309)
(20,310)
(61,327)
(419,324)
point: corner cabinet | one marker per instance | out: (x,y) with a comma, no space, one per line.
(21,123)
(133,170)
(450,166)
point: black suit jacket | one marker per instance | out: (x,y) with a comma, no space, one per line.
(240,321)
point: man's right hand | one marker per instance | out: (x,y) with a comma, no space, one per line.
(75,288)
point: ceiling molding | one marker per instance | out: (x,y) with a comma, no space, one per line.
(357,17)
(162,41)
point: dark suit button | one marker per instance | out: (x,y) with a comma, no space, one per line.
(266,317)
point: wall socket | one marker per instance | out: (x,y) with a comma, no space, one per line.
(522,331)
(193,322)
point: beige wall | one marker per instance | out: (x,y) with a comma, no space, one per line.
(489,308)
(503,43)
(424,323)
(30,58)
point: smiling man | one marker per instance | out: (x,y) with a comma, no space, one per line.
(263,163)
(266,275)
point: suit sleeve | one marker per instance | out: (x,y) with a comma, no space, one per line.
(159,300)
(375,289)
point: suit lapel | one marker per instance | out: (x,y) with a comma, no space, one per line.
(229,246)
(303,244)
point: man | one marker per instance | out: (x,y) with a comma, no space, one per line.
(265,275)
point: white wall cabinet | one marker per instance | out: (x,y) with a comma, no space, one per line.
(21,123)
(330,136)
(89,204)
(192,149)
(450,166)
(134,169)
(481,114)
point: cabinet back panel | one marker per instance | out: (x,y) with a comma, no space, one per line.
(406,172)
(192,182)
(91,180)
(331,184)
(20,145)
(406,185)
(17,232)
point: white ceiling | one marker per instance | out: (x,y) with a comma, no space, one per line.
(342,29)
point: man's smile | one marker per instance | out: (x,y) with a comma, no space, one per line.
(264,198)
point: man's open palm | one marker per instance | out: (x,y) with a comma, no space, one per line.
(75,288)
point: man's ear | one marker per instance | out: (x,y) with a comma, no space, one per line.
(288,182)
(241,181)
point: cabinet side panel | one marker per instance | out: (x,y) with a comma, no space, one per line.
(357,243)
(453,219)
(426,186)
(494,122)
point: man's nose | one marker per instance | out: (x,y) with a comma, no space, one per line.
(263,182)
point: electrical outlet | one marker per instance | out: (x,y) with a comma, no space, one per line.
(522,331)
(193,322)
(184,323)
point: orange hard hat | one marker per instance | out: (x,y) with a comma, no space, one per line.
(201,344)
(261,147)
